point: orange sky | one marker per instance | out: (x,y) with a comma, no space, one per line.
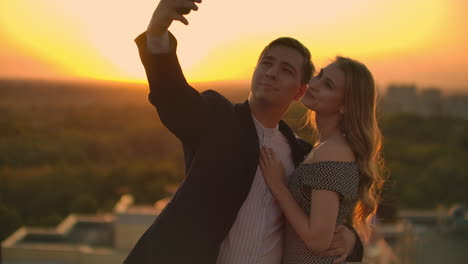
(421,42)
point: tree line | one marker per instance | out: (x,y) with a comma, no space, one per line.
(80,157)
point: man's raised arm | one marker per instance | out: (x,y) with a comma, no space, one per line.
(180,107)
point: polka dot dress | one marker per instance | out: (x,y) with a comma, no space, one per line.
(341,177)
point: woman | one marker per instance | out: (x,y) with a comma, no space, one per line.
(342,174)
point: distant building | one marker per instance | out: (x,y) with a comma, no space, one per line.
(421,237)
(401,98)
(426,102)
(457,105)
(431,102)
(83,239)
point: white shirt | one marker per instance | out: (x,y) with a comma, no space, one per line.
(256,236)
(257,233)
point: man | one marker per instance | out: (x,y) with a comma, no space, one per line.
(223,212)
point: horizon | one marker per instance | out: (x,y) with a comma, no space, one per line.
(227,85)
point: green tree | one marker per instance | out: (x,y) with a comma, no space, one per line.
(10,221)
(84,204)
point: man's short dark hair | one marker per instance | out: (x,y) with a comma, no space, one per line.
(308,67)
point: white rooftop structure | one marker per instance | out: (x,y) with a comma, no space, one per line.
(83,239)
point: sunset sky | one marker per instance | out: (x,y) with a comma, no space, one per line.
(420,42)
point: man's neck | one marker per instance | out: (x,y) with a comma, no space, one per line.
(268,116)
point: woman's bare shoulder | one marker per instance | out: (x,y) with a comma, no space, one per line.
(337,150)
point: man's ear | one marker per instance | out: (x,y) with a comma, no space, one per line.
(342,109)
(300,92)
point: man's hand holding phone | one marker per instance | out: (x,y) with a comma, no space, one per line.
(168,11)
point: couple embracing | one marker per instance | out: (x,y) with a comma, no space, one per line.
(253,191)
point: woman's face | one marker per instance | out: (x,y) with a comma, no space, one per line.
(326,91)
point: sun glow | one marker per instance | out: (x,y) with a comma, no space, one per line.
(94,39)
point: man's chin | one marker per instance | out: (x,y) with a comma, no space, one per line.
(269,102)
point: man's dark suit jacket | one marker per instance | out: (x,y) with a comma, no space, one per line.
(221,151)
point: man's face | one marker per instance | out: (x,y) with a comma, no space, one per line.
(277,77)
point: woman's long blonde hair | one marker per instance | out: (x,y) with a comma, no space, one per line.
(359,124)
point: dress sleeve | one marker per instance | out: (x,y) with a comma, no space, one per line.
(341,177)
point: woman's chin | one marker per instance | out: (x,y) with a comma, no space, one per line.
(307,104)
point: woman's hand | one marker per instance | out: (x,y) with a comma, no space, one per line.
(272,169)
